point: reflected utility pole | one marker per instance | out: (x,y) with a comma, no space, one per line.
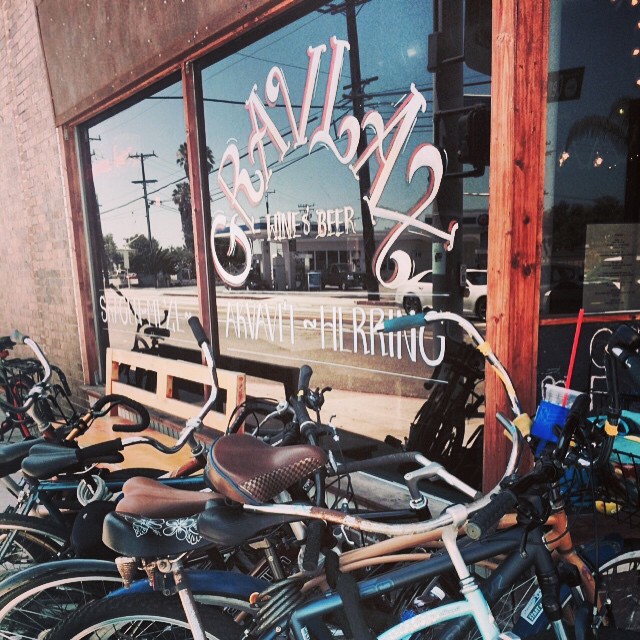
(357,96)
(448,98)
(144,182)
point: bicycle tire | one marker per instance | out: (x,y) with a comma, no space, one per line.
(620,579)
(152,616)
(38,602)
(28,540)
(518,600)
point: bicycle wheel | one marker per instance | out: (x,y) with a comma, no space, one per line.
(47,594)
(27,540)
(149,617)
(620,581)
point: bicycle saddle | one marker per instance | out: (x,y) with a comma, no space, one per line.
(11,455)
(226,525)
(6,343)
(46,460)
(139,537)
(250,471)
(152,499)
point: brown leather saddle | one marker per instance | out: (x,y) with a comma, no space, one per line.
(152,499)
(249,471)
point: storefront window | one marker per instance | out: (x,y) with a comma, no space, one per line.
(146,279)
(315,239)
(591,250)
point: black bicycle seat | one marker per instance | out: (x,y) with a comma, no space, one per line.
(138,537)
(226,525)
(6,343)
(11,455)
(47,460)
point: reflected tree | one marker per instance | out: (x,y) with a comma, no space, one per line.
(612,128)
(182,195)
(150,259)
(112,258)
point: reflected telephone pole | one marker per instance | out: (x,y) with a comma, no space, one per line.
(144,182)
(357,96)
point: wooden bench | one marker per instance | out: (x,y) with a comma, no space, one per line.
(169,375)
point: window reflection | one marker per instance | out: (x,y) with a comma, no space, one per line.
(300,276)
(143,208)
(590,236)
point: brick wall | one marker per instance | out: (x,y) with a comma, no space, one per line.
(36,284)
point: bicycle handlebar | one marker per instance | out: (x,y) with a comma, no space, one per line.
(418,320)
(205,347)
(393,530)
(36,391)
(548,468)
(20,338)
(186,436)
(113,400)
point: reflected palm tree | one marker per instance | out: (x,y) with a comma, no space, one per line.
(612,128)
(181,195)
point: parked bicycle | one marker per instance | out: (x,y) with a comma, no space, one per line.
(279,606)
(17,377)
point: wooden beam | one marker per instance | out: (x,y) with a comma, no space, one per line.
(199,186)
(233,382)
(80,258)
(516,182)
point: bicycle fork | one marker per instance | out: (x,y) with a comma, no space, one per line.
(181,586)
(474,607)
(478,606)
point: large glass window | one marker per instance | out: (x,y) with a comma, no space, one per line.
(142,206)
(590,250)
(319,231)
(591,224)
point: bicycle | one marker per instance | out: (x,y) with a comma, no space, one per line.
(303,420)
(363,525)
(27,539)
(32,597)
(17,377)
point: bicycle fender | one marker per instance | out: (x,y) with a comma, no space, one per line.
(57,569)
(212,582)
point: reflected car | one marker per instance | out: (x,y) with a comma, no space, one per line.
(343,276)
(418,296)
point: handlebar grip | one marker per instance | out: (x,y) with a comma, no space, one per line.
(198,331)
(393,459)
(485,521)
(624,336)
(414,321)
(311,553)
(99,450)
(115,399)
(304,377)
(18,337)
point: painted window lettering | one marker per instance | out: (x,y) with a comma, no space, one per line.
(242,190)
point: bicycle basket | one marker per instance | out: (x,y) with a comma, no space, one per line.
(615,487)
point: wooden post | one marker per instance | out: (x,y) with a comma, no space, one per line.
(518,117)
(199,185)
(80,258)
